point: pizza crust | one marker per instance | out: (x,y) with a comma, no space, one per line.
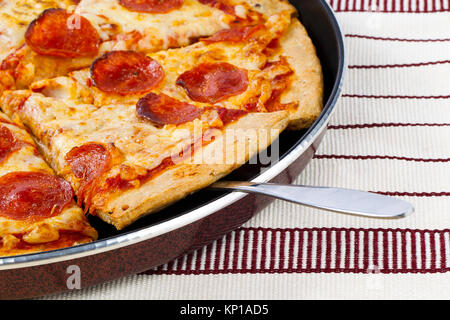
(307,85)
(271,7)
(185,178)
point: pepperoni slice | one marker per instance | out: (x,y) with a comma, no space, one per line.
(88,162)
(126,72)
(58,33)
(152,6)
(230,115)
(8,143)
(33,196)
(220,5)
(234,34)
(213,82)
(162,109)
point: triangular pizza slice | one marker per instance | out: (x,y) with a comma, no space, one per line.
(37,210)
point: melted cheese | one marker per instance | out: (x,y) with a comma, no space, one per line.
(119,28)
(61,125)
(12,232)
(245,55)
(155,31)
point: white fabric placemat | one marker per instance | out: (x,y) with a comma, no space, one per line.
(390,134)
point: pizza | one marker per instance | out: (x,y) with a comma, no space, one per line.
(145,102)
(65,37)
(37,210)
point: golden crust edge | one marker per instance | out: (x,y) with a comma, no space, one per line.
(307,86)
(271,7)
(168,187)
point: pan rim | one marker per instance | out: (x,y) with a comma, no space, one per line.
(134,237)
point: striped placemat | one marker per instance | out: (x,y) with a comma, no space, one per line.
(391,135)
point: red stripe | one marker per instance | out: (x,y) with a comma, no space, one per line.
(376,157)
(264,250)
(360,36)
(254,250)
(273,247)
(290,257)
(347,251)
(228,243)
(443,252)
(365,96)
(385,251)
(433,251)
(404,257)
(300,250)
(387,124)
(283,257)
(366,250)
(375,250)
(346,5)
(338,250)
(198,260)
(395,256)
(209,260)
(309,251)
(356,251)
(237,239)
(336,5)
(318,250)
(247,250)
(413,251)
(423,251)
(170,265)
(328,250)
(189,261)
(413,194)
(405,65)
(217,257)
(336,255)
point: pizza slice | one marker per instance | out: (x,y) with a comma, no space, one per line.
(37,210)
(67,38)
(131,138)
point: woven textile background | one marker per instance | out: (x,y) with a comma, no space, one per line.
(390,134)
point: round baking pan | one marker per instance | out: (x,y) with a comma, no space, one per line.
(196,220)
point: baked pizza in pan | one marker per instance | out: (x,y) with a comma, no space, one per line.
(137,104)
